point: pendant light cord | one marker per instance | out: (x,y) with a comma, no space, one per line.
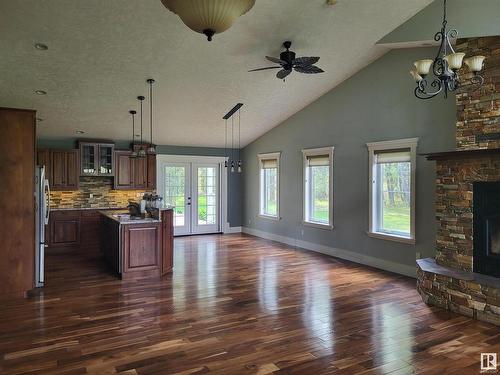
(151,110)
(239,135)
(225,142)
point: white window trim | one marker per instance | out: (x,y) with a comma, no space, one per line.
(311,152)
(410,143)
(260,157)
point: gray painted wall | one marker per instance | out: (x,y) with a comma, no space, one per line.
(234,193)
(376,104)
(471,18)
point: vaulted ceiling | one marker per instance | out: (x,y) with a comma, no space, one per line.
(101,53)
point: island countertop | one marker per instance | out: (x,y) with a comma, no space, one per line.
(123,217)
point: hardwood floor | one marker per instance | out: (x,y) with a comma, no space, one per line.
(236,304)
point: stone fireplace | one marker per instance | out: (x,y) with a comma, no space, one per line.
(465,275)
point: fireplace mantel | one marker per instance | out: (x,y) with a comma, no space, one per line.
(462,154)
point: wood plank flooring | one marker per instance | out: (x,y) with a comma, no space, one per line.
(236,304)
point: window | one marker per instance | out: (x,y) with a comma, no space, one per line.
(269,166)
(318,183)
(392,189)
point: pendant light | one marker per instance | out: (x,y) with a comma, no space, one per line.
(240,169)
(151,149)
(225,144)
(141,153)
(209,17)
(236,165)
(133,155)
(232,144)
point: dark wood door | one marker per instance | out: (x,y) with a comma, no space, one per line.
(124,174)
(141,250)
(65,229)
(43,160)
(72,170)
(17,187)
(151,169)
(64,170)
(140,173)
(58,169)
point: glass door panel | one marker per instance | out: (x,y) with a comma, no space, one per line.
(205,198)
(89,159)
(177,193)
(106,160)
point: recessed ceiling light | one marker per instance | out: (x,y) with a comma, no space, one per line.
(41,46)
(40,92)
(80,132)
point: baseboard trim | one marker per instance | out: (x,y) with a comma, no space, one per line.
(366,260)
(230,230)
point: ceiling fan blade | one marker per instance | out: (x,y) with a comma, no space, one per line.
(309,69)
(269,67)
(305,61)
(283,73)
(275,60)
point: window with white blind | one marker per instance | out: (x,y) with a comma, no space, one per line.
(318,187)
(269,166)
(392,189)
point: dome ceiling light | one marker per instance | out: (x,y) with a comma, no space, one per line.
(209,17)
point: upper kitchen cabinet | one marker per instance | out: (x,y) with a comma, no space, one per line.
(64,168)
(96,159)
(139,173)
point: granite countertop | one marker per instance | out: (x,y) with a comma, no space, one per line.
(122,217)
(84,208)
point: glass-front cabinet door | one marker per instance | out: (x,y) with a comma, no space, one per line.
(96,159)
(88,159)
(106,165)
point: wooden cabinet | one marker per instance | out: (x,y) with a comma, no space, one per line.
(167,247)
(64,169)
(134,173)
(96,159)
(65,229)
(151,167)
(17,188)
(124,175)
(140,167)
(141,244)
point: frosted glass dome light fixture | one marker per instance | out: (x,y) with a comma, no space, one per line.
(209,17)
(445,67)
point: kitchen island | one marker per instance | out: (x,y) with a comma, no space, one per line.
(137,247)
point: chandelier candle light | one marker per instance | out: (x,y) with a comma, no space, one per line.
(445,67)
(209,17)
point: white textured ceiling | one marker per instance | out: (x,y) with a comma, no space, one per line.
(101,52)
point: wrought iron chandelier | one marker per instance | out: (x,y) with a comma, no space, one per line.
(233,157)
(445,67)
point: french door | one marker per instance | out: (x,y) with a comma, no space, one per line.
(193,187)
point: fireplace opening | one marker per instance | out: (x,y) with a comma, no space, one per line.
(486,225)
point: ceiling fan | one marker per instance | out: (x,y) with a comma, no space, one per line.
(288,62)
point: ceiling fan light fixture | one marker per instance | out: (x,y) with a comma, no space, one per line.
(209,17)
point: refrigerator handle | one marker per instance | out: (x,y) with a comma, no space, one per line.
(47,203)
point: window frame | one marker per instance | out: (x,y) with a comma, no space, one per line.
(260,158)
(315,152)
(393,145)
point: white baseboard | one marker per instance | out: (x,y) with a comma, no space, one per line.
(229,230)
(386,265)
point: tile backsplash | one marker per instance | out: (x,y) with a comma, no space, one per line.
(94,192)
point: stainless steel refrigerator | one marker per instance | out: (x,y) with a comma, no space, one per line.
(42,199)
